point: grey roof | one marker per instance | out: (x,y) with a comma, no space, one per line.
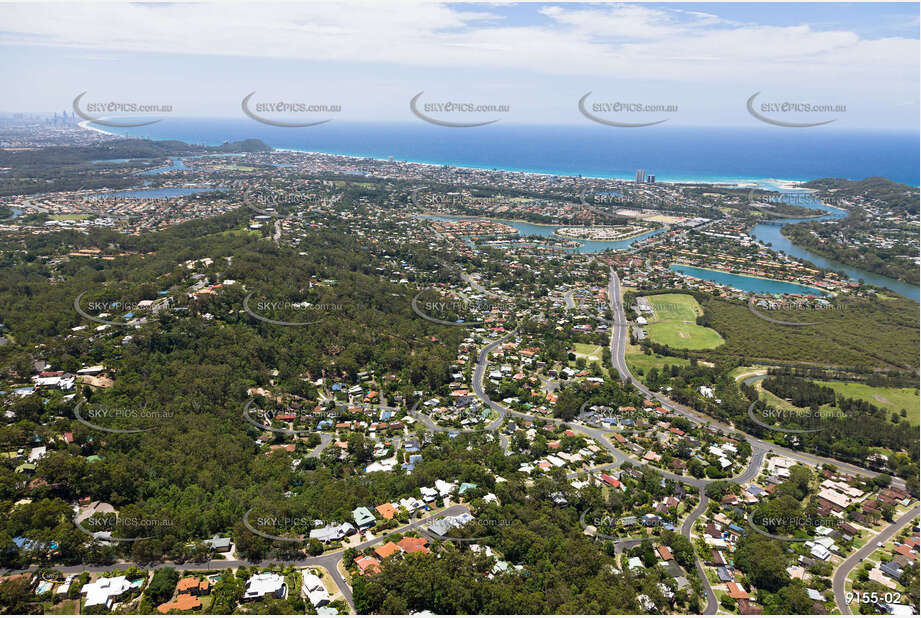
(218,541)
(441,526)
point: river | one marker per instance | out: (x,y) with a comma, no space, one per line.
(769,234)
(766,233)
(746,283)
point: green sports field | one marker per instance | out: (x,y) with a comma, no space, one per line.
(673,323)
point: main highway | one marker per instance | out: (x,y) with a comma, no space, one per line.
(618,360)
(619,339)
(759,449)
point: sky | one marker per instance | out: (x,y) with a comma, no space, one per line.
(702,61)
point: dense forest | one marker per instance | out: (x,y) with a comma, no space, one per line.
(201,467)
(801,393)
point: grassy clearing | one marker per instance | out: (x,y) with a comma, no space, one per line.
(740,373)
(639,363)
(589,352)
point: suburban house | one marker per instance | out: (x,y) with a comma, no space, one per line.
(412,545)
(105,591)
(314,590)
(333,532)
(367,564)
(220,544)
(440,527)
(387,549)
(363,518)
(265,584)
(386,510)
(183,602)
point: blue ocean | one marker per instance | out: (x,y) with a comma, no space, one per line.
(675,154)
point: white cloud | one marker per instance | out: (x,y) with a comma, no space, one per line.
(621,41)
(617,48)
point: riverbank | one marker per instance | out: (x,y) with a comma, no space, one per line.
(804,242)
(781,282)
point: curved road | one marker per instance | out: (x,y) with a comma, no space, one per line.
(759,447)
(618,351)
(841,573)
(329,561)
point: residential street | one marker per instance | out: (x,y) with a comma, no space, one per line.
(840,576)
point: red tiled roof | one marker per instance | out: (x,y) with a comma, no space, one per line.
(367,563)
(387,549)
(184,602)
(411,545)
(386,510)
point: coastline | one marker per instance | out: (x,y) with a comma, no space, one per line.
(783,184)
(85,124)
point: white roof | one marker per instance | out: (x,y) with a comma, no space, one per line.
(99,591)
(262,584)
(443,487)
(819,552)
(897,609)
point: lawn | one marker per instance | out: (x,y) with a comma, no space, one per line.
(674,323)
(640,363)
(892,399)
(741,373)
(64,608)
(589,352)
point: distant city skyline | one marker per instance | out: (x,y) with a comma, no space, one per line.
(700,62)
